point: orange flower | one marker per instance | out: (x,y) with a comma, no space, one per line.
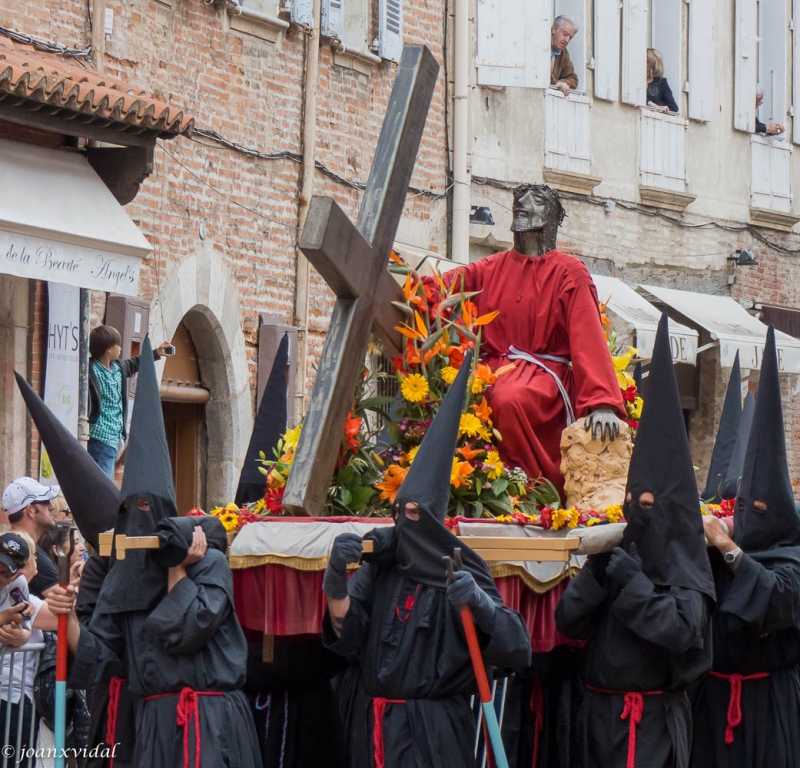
(485,374)
(438,347)
(459,475)
(394,476)
(482,410)
(503,369)
(468,453)
(351,430)
(412,354)
(456,356)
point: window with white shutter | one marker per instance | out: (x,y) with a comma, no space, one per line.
(796,71)
(575,10)
(332,19)
(702,48)
(390,29)
(634,51)
(666,36)
(606,49)
(773,26)
(745,65)
(302,13)
(566,132)
(514,43)
(770,173)
(663,151)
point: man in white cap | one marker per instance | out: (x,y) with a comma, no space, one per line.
(29,507)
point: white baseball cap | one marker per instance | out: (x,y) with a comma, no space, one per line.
(25,490)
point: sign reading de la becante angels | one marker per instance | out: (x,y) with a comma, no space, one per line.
(63,365)
(80,266)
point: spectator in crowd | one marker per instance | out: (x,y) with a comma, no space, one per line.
(108,394)
(771,129)
(61,510)
(57,540)
(29,506)
(562,73)
(659,94)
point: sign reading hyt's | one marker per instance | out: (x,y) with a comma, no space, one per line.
(63,364)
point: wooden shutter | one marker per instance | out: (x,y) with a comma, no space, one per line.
(576,10)
(666,33)
(702,49)
(773,26)
(514,43)
(745,66)
(302,13)
(332,19)
(390,29)
(634,51)
(567,144)
(606,49)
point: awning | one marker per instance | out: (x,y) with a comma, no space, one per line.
(642,321)
(59,222)
(732,327)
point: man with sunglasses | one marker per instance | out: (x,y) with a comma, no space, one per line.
(29,506)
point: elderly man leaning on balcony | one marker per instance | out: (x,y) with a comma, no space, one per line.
(562,73)
(772,129)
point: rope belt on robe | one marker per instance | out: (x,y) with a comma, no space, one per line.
(187,710)
(378,710)
(632,712)
(114,688)
(735,701)
(537,358)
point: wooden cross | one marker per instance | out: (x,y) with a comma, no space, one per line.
(353,261)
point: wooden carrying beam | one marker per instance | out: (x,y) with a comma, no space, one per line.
(125,543)
(502,548)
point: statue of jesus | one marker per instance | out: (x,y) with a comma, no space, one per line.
(549,326)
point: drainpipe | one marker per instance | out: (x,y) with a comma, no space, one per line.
(461,178)
(306,192)
(98,40)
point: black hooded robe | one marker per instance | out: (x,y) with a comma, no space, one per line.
(190,638)
(643,638)
(407,644)
(756,630)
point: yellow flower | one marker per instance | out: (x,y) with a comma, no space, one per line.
(636,408)
(621,362)
(229,520)
(260,506)
(275,479)
(574,517)
(449,374)
(477,386)
(414,388)
(503,518)
(460,473)
(232,507)
(471,426)
(216,511)
(291,437)
(614,513)
(495,464)
(593,521)
(625,380)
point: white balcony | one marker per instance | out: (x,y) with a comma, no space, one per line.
(662,163)
(567,148)
(770,182)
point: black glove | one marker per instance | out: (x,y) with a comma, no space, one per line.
(464,590)
(596,565)
(623,565)
(346,549)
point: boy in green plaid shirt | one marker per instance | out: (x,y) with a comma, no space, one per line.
(108,393)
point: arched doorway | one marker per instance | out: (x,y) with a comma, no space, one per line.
(183,402)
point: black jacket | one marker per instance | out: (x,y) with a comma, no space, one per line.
(128,368)
(659,92)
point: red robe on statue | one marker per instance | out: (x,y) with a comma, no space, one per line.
(547,306)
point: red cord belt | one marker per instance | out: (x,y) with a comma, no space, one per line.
(632,712)
(187,711)
(378,710)
(114,687)
(735,700)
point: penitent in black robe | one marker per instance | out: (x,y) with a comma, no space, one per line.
(756,630)
(643,638)
(408,646)
(190,638)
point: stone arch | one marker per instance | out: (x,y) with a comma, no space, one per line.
(201,292)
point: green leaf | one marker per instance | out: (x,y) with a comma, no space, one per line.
(478,509)
(499,486)
(403,306)
(399,269)
(395,435)
(361,497)
(374,402)
(263,471)
(346,497)
(460,510)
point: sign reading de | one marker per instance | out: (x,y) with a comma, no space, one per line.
(77,265)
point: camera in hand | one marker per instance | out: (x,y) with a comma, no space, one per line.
(18,597)
(169,350)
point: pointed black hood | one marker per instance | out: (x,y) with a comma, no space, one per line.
(270,424)
(92,496)
(765,479)
(148,496)
(669,535)
(730,486)
(726,435)
(421,544)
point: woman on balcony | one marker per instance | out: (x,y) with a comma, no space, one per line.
(659,94)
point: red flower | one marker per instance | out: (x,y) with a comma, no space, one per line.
(451,524)
(633,424)
(195,512)
(273,500)
(547,518)
(630,394)
(351,430)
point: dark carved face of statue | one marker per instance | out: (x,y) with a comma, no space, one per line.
(537,215)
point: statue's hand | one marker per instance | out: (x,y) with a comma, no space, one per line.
(604,424)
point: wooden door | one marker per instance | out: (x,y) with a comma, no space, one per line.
(182,423)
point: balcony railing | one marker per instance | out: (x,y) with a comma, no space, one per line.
(770,174)
(663,151)
(566,132)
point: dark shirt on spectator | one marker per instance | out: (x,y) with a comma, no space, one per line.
(660,94)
